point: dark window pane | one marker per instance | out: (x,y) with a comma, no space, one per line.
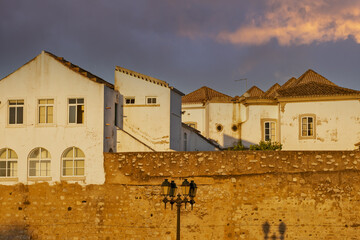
(12,115)
(80,114)
(80,100)
(20,115)
(72,100)
(2,164)
(2,172)
(310,119)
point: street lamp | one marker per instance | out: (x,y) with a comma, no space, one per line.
(169,189)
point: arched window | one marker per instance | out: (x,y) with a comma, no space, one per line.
(39,163)
(8,163)
(73,162)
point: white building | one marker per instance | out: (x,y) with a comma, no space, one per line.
(150,117)
(306,113)
(56,121)
(212,113)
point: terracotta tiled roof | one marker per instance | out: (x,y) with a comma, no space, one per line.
(312,76)
(81,71)
(271,92)
(254,91)
(205,94)
(315,89)
(147,78)
(289,83)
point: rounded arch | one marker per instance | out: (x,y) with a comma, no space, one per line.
(8,163)
(39,161)
(73,162)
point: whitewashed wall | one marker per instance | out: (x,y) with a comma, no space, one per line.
(148,123)
(44,77)
(222,114)
(337,125)
(251,127)
(195,113)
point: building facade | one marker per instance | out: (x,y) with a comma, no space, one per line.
(306,113)
(55,123)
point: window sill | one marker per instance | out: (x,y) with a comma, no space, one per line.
(306,138)
(45,125)
(37,179)
(15,125)
(143,105)
(73,178)
(9,179)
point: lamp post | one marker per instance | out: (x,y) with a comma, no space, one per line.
(169,189)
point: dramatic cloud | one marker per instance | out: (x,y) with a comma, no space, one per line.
(293,22)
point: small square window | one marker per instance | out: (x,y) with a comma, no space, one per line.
(130,100)
(151,100)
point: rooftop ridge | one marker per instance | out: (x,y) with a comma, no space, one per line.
(254,91)
(312,76)
(142,76)
(79,70)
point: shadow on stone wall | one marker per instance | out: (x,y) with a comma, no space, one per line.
(266,230)
(14,233)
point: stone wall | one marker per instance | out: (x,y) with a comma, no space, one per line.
(315,195)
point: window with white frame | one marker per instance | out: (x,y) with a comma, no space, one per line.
(8,163)
(16,111)
(150,100)
(129,100)
(269,131)
(76,110)
(46,111)
(39,163)
(307,126)
(73,162)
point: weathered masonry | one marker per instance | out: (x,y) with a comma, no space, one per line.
(315,195)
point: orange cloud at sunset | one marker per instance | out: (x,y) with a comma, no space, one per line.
(298,22)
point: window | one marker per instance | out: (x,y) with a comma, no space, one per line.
(76,110)
(150,100)
(116,114)
(269,134)
(268,130)
(130,100)
(307,126)
(16,111)
(73,162)
(46,111)
(39,163)
(8,163)
(185,141)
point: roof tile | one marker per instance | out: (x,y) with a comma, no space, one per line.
(205,94)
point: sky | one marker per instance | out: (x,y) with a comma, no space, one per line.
(189,43)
